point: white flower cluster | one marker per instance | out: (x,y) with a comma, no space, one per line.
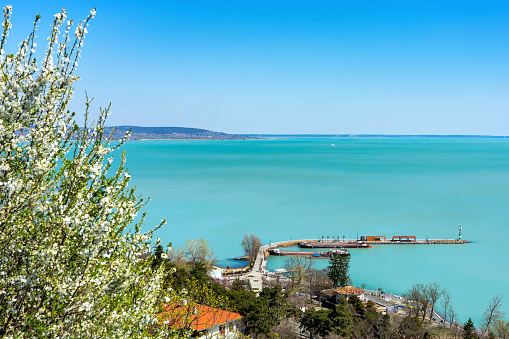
(69,264)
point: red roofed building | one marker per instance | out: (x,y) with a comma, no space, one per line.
(203,320)
(348,291)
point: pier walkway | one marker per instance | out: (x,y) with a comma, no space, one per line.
(354,243)
(420,242)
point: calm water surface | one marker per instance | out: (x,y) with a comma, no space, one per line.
(303,188)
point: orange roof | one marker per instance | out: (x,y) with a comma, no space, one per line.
(349,290)
(195,316)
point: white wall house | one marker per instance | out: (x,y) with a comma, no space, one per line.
(225,330)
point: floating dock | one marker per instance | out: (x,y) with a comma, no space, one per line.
(334,244)
(313,255)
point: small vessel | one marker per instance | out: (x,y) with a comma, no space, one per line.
(340,251)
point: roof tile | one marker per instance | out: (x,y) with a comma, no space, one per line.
(195,316)
(349,290)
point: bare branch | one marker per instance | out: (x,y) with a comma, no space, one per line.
(493,312)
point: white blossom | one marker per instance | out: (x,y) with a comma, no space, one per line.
(66,262)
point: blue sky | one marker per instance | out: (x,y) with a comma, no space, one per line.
(390,67)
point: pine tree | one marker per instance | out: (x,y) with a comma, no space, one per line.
(157,260)
(338,269)
(469,329)
(342,321)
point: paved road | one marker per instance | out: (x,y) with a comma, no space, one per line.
(259,269)
(256,275)
(378,300)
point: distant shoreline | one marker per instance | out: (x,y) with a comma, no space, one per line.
(172,133)
(186,133)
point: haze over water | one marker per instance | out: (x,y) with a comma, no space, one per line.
(308,187)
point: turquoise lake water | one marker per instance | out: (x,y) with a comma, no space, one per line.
(306,187)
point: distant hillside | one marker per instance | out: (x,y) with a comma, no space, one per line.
(162,133)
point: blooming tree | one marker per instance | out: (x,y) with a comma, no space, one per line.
(72,258)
